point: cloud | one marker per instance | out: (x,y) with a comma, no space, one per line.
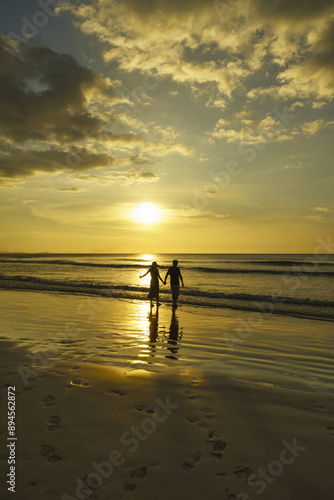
(266,130)
(252,131)
(20,164)
(294,165)
(56,115)
(322,209)
(312,128)
(220,44)
(71,190)
(59,112)
(124,178)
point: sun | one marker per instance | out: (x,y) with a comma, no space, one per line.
(146,213)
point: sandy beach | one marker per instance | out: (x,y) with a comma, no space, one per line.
(154,429)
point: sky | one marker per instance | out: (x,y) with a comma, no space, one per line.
(218,116)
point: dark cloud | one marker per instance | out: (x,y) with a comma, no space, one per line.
(17,163)
(43,96)
(45,116)
(296,10)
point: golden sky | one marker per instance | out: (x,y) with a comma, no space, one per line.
(217,114)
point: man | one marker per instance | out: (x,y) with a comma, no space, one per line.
(175,277)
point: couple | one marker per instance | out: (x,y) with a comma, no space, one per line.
(175,277)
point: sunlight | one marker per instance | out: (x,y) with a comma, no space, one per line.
(146,213)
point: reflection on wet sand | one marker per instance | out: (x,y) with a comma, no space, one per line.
(153,329)
(174,335)
(170,339)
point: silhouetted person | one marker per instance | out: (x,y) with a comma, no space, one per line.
(175,277)
(154,286)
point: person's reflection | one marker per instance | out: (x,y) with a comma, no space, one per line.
(174,335)
(154,325)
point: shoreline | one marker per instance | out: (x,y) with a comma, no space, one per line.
(284,307)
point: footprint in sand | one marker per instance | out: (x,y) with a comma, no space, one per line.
(215,440)
(191,461)
(53,423)
(90,482)
(189,394)
(142,408)
(195,420)
(209,413)
(139,407)
(139,473)
(78,383)
(53,459)
(129,487)
(116,392)
(48,401)
(192,420)
(47,451)
(243,472)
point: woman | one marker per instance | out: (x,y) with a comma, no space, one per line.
(154,286)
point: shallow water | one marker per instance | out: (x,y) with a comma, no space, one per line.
(122,333)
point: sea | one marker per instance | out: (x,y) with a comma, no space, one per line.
(300,285)
(265,319)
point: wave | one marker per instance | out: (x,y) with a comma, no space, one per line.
(302,307)
(263,271)
(288,262)
(63,262)
(202,269)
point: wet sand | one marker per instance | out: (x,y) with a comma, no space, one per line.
(89,429)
